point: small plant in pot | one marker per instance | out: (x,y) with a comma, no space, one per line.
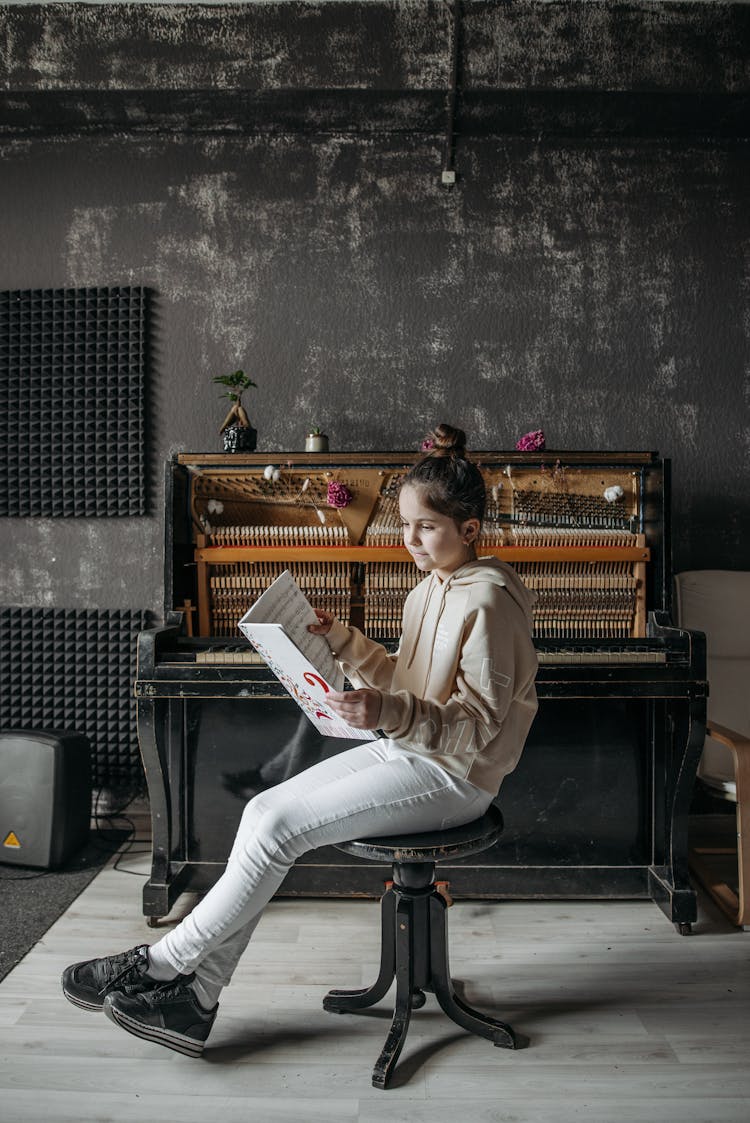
(316,441)
(237,432)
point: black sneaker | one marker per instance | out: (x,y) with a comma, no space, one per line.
(87,984)
(170,1014)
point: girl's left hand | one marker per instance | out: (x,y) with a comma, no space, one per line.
(323,626)
(360,708)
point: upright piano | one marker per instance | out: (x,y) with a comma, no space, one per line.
(597,807)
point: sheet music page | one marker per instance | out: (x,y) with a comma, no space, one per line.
(284,603)
(301,678)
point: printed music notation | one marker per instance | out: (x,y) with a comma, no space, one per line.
(276,625)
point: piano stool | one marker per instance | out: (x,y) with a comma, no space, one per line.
(414,937)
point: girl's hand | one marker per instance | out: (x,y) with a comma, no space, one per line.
(360,708)
(323,627)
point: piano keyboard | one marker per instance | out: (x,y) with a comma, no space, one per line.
(229,658)
(597,658)
(570,657)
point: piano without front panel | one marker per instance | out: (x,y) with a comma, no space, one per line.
(598,805)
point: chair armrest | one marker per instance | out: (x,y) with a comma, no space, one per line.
(737,742)
(739,746)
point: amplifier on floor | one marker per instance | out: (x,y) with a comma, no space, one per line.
(45,796)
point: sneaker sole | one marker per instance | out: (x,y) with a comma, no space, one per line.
(81,1003)
(188,1046)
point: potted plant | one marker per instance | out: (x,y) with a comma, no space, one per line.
(238,434)
(315,441)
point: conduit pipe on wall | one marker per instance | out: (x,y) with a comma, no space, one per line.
(448,177)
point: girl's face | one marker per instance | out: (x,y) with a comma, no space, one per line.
(435,541)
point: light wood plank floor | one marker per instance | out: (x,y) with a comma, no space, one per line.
(628,1022)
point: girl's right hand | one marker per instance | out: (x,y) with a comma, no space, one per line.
(323,627)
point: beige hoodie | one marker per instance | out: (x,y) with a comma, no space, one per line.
(461,686)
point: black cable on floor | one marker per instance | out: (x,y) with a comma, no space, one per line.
(126,848)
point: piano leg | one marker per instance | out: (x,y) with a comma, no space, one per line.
(669,884)
(154,718)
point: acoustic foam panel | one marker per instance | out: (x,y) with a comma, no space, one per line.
(74,669)
(72,375)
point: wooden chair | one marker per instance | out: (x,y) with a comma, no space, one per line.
(414,939)
(717,602)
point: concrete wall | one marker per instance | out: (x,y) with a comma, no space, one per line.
(587,275)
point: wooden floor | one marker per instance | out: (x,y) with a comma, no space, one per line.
(627,1021)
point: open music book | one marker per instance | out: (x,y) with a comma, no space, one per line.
(276,626)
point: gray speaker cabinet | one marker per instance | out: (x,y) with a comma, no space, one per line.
(45,796)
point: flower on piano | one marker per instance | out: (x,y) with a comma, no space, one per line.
(531,442)
(338,494)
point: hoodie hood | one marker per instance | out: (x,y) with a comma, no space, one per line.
(479,571)
(498,573)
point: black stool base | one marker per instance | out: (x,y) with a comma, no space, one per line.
(414,951)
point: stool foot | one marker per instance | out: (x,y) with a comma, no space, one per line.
(394,1042)
(405,994)
(345,1001)
(462,1014)
(499,1033)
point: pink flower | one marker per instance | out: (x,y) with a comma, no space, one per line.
(531,442)
(428,444)
(338,495)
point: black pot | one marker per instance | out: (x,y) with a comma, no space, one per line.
(240,438)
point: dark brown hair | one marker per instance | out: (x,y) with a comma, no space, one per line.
(448,482)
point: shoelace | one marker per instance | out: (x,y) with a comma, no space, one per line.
(132,958)
(173,988)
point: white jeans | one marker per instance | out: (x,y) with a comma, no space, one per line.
(377,788)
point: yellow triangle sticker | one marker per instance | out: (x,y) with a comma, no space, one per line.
(11,839)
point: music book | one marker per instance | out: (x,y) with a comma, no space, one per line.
(304,664)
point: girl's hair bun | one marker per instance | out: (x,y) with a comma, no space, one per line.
(448,482)
(444,440)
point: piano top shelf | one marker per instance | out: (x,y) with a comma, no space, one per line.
(225,554)
(408,456)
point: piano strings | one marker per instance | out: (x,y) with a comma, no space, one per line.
(236,586)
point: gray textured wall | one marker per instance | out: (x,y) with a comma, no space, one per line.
(594,285)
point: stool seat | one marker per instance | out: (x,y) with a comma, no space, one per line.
(431,846)
(414,939)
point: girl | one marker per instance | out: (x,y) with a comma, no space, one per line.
(455,705)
